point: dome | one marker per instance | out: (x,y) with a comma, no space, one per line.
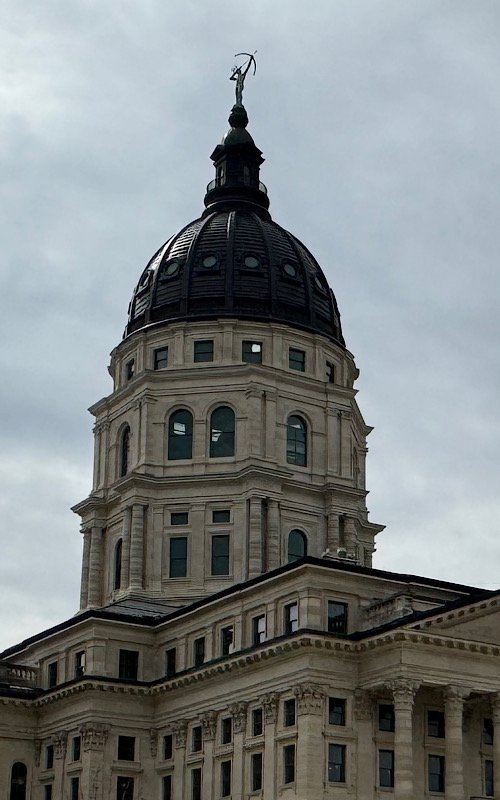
(235,261)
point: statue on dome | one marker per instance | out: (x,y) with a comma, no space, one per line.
(239,74)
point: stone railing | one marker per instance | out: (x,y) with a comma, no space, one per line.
(17,675)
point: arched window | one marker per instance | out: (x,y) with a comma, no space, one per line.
(124,451)
(18,781)
(117,581)
(297,545)
(222,432)
(296,441)
(180,435)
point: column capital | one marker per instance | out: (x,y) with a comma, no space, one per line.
(455,695)
(60,740)
(403,690)
(180,730)
(94,735)
(363,704)
(209,723)
(239,714)
(495,707)
(270,703)
(310,698)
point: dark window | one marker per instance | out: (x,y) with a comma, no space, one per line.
(168,742)
(251,352)
(257,722)
(126,748)
(128,665)
(196,784)
(52,674)
(290,618)
(47,791)
(488,778)
(180,435)
(74,788)
(256,772)
(487,731)
(289,763)
(124,788)
(160,358)
(196,739)
(76,748)
(170,662)
(435,723)
(49,756)
(336,711)
(199,651)
(179,518)
(297,545)
(386,768)
(167,787)
(224,515)
(124,451)
(222,432)
(226,730)
(296,441)
(330,372)
(296,359)
(129,369)
(386,717)
(204,350)
(336,763)
(436,773)
(178,557)
(220,554)
(289,713)
(117,578)
(226,636)
(18,776)
(225,778)
(337,617)
(259,629)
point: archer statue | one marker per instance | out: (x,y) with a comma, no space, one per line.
(239,74)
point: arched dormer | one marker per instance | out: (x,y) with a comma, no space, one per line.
(297,545)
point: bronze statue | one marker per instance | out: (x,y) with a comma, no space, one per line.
(239,74)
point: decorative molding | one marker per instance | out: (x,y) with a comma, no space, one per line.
(270,703)
(455,696)
(209,723)
(403,691)
(60,740)
(310,698)
(180,730)
(94,735)
(239,714)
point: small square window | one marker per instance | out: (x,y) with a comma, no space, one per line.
(291,618)
(76,749)
(289,713)
(179,518)
(435,723)
(167,787)
(436,773)
(226,636)
(226,730)
(251,352)
(128,665)
(196,739)
(259,629)
(257,722)
(52,674)
(49,756)
(296,359)
(204,350)
(170,662)
(289,763)
(330,372)
(336,711)
(386,768)
(225,778)
(124,788)
(386,717)
(126,748)
(168,746)
(221,516)
(487,731)
(196,784)
(256,772)
(74,788)
(199,651)
(129,369)
(337,617)
(336,763)
(160,358)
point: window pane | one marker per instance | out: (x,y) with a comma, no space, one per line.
(488,731)
(296,441)
(226,640)
(225,778)
(297,545)
(296,359)
(257,722)
(226,730)
(199,651)
(386,717)
(289,763)
(251,352)
(167,787)
(258,629)
(77,748)
(220,555)
(291,618)
(52,674)
(488,778)
(168,746)
(337,617)
(435,723)
(256,772)
(436,773)
(126,748)
(117,582)
(179,518)
(180,435)
(161,358)
(204,350)
(74,789)
(178,557)
(196,739)
(336,763)
(170,662)
(196,784)
(386,768)
(124,788)
(18,779)
(128,665)
(223,515)
(222,433)
(124,451)
(336,711)
(288,713)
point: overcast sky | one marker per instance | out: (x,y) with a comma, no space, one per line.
(379,121)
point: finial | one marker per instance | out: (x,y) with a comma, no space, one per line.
(239,74)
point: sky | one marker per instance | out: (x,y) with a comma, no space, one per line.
(379,121)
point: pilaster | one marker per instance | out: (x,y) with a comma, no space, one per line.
(137,547)
(363,714)
(255,537)
(403,692)
(239,714)
(95,567)
(180,737)
(209,723)
(310,745)
(84,587)
(270,705)
(94,737)
(454,697)
(495,712)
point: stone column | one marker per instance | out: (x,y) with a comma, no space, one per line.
(209,723)
(137,547)
(273,535)
(84,586)
(363,714)
(310,773)
(404,694)
(332,536)
(94,737)
(180,736)
(126,548)
(95,566)
(239,714)
(495,713)
(270,706)
(255,537)
(454,697)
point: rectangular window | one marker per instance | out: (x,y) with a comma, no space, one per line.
(225,778)
(49,756)
(256,772)
(220,555)
(257,722)
(52,674)
(167,787)
(436,773)
(386,768)
(160,360)
(196,784)
(251,352)
(487,731)
(178,557)
(168,746)
(259,629)
(289,713)
(48,791)
(336,763)
(76,749)
(488,778)
(291,618)
(435,723)
(204,350)
(221,515)
(196,739)
(336,711)
(337,617)
(226,636)
(128,665)
(226,730)
(179,518)
(386,717)
(170,662)
(330,372)
(79,664)
(296,359)
(289,763)
(199,651)
(74,788)
(129,369)
(124,788)
(126,748)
